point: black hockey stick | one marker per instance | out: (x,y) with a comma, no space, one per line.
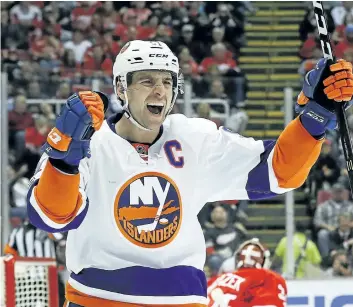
(340,111)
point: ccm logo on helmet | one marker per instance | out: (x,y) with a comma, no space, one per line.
(158,55)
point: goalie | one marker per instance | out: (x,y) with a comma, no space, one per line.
(252,284)
(128,189)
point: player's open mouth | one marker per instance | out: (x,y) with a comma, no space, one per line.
(155,109)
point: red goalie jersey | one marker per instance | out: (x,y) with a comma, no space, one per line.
(252,284)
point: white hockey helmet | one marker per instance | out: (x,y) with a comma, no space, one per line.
(253,254)
(140,55)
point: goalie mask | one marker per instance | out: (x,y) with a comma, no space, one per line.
(252,254)
(140,55)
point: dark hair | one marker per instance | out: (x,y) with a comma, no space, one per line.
(300,226)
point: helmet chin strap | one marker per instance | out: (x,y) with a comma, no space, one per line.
(129,116)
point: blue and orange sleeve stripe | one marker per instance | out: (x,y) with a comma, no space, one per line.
(83,299)
(295,152)
(57,194)
(56,201)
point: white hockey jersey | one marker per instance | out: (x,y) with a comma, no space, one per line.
(136,237)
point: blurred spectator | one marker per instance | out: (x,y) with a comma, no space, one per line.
(339,34)
(326,170)
(110,45)
(185,57)
(168,12)
(308,26)
(220,57)
(35,137)
(24,13)
(47,111)
(79,45)
(327,216)
(234,28)
(25,73)
(19,119)
(198,85)
(49,60)
(64,91)
(218,37)
(340,266)
(109,15)
(122,29)
(139,10)
(306,255)
(35,92)
(69,62)
(82,14)
(311,49)
(346,46)
(196,48)
(12,35)
(342,236)
(216,91)
(163,35)
(339,12)
(221,236)
(18,185)
(10,64)
(203,110)
(53,81)
(130,34)
(149,28)
(96,60)
(96,25)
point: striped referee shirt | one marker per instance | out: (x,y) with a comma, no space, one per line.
(29,241)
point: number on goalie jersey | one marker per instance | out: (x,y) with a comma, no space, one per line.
(251,285)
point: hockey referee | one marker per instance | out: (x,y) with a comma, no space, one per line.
(29,241)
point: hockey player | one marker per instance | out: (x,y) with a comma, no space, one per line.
(252,284)
(129,188)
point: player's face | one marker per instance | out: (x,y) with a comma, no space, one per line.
(150,95)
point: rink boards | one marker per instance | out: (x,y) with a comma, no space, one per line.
(320,293)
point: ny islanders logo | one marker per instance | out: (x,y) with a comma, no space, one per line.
(148,210)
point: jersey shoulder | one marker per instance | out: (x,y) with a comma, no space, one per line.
(195,125)
(276,278)
(190,131)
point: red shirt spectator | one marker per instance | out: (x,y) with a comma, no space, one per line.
(311,49)
(149,30)
(95,60)
(122,30)
(40,46)
(140,11)
(19,118)
(84,12)
(219,58)
(51,16)
(33,137)
(109,45)
(347,44)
